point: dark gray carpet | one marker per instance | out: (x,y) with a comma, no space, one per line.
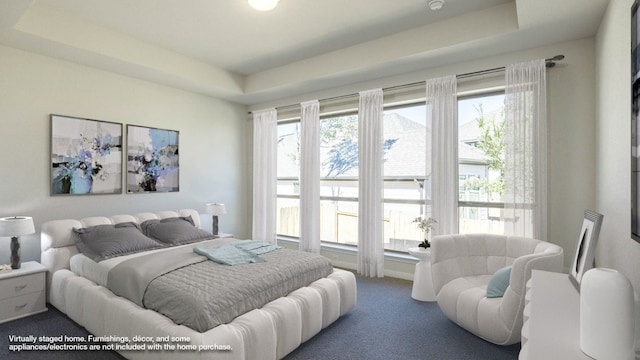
(386,324)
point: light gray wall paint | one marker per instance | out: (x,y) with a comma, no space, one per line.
(571,127)
(615,247)
(213,143)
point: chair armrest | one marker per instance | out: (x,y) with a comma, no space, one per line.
(547,256)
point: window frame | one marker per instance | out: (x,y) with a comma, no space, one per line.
(423,202)
(467,203)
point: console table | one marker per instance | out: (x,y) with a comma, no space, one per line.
(551,316)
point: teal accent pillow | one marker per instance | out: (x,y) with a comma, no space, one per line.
(499,282)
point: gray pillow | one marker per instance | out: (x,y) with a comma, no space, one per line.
(174,231)
(103,242)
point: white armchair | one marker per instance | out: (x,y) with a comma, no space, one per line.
(462,266)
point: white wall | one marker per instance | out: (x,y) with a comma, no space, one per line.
(571,112)
(615,248)
(214,142)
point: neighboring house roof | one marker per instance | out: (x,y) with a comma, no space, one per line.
(471,155)
(406,158)
(469,132)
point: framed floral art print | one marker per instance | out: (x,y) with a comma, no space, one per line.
(153,162)
(86,156)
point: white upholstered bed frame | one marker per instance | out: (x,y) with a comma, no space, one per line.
(271,332)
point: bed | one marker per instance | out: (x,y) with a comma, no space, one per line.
(76,286)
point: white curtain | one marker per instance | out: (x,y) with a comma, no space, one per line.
(526,150)
(265,139)
(310,177)
(442,104)
(370,206)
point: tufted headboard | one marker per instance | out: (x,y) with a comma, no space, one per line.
(58,246)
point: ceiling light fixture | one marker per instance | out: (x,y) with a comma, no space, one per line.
(436,4)
(263,5)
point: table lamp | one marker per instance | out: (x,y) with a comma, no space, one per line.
(215,209)
(15,226)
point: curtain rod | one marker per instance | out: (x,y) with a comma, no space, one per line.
(549,62)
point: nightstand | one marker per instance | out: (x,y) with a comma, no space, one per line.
(22,291)
(422,282)
(222,235)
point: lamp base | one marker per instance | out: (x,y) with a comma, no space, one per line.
(215,225)
(15,253)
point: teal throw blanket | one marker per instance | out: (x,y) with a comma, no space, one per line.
(255,246)
(238,252)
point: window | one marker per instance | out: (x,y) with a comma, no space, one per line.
(481,164)
(288,186)
(405,162)
(407,158)
(339,179)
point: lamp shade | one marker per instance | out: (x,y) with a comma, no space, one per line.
(216,209)
(16,226)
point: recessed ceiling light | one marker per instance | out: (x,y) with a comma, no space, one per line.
(263,5)
(436,4)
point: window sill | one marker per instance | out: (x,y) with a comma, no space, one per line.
(391,255)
